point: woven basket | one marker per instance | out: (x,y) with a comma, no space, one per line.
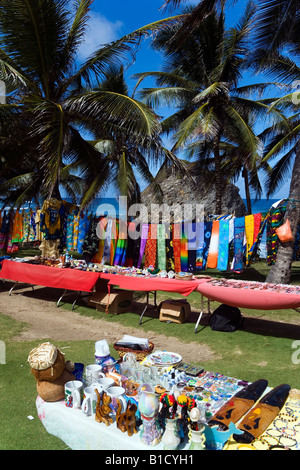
(186,277)
(140,355)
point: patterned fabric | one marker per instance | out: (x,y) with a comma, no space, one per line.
(17,230)
(177,247)
(82,230)
(223,256)
(151,245)
(107,242)
(199,245)
(207,237)
(249,232)
(274,221)
(161,247)
(184,259)
(212,259)
(170,265)
(192,243)
(144,236)
(239,231)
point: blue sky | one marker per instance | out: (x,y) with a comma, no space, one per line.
(112,20)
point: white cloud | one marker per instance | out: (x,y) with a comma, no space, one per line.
(99,31)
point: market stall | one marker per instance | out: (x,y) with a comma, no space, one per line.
(162,403)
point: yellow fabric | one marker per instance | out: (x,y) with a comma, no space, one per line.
(249,230)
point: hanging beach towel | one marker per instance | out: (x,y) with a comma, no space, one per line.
(76,231)
(120,247)
(212,259)
(144,236)
(223,255)
(107,242)
(161,247)
(274,221)
(192,243)
(184,249)
(177,247)
(170,265)
(207,237)
(249,232)
(151,245)
(199,245)
(239,230)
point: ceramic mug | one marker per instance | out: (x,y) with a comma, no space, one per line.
(117,393)
(93,373)
(89,401)
(73,390)
(103,384)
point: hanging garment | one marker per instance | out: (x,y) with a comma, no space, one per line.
(192,241)
(17,230)
(239,230)
(170,266)
(39,234)
(223,256)
(161,247)
(70,232)
(212,259)
(107,242)
(184,259)
(113,245)
(257,224)
(199,245)
(151,246)
(207,237)
(131,243)
(249,232)
(144,236)
(76,230)
(51,219)
(91,242)
(82,230)
(121,245)
(274,221)
(257,234)
(177,247)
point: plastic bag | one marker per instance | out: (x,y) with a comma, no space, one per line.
(284,232)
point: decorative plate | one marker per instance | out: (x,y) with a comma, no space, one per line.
(164,358)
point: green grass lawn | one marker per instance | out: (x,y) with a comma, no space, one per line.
(262,349)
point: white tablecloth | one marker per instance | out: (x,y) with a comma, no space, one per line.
(82,432)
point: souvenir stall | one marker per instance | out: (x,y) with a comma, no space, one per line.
(147,399)
(223,243)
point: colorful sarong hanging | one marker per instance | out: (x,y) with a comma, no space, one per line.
(144,236)
(150,248)
(275,219)
(121,245)
(184,249)
(82,230)
(76,231)
(257,224)
(223,255)
(133,244)
(207,236)
(199,245)
(177,247)
(212,259)
(170,265)
(192,243)
(161,247)
(239,231)
(107,242)
(249,232)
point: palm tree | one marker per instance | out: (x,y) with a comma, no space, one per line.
(277,49)
(202,79)
(128,154)
(50,91)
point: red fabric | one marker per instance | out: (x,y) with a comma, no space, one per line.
(248,298)
(152,284)
(46,276)
(177,247)
(257,222)
(150,249)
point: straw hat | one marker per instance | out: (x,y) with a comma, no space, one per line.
(43,357)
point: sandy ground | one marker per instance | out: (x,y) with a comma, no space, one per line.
(37,308)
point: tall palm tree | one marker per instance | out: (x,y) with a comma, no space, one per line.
(128,154)
(276,52)
(50,91)
(202,79)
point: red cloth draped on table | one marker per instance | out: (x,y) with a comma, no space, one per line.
(46,276)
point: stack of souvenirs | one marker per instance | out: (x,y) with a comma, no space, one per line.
(164,401)
(219,243)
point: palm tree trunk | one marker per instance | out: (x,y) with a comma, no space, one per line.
(218,177)
(247,190)
(280,272)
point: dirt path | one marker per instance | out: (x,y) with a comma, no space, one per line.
(45,321)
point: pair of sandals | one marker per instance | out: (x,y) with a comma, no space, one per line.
(256,418)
